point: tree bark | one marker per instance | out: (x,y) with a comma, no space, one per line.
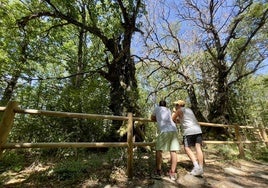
(194,104)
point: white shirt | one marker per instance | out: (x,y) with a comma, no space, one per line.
(189,122)
(164,119)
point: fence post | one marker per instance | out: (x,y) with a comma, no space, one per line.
(264,135)
(240,144)
(7,122)
(130,146)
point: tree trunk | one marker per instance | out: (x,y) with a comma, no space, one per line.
(9,90)
(123,92)
(218,112)
(121,75)
(218,109)
(194,104)
(11,84)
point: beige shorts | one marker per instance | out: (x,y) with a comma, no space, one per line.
(168,141)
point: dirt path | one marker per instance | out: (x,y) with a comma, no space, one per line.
(219,174)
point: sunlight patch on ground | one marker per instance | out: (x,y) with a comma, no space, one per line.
(15,178)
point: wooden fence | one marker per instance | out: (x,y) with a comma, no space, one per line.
(12,108)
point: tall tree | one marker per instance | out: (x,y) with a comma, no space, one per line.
(13,52)
(113,23)
(223,36)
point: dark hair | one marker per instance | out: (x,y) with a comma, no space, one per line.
(162,103)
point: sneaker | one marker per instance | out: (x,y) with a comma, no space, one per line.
(197,172)
(173,175)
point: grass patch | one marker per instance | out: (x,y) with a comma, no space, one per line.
(70,170)
(228,152)
(12,161)
(259,152)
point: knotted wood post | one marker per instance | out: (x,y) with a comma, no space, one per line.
(263,134)
(240,144)
(7,123)
(130,146)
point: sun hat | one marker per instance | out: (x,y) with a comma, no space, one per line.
(179,102)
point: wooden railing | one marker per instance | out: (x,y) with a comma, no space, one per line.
(12,108)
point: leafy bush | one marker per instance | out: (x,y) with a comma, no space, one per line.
(259,152)
(12,160)
(263,155)
(229,152)
(70,170)
(116,154)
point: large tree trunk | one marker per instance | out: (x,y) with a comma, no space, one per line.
(218,112)
(194,104)
(123,92)
(218,109)
(121,73)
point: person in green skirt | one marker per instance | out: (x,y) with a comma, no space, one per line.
(167,139)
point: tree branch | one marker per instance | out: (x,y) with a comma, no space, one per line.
(262,21)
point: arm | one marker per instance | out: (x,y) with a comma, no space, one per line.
(177,115)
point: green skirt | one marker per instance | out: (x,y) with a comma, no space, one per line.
(168,141)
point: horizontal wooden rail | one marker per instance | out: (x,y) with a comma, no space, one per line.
(215,125)
(112,117)
(65,145)
(205,124)
(229,142)
(99,144)
(12,108)
(69,114)
(77,115)
(2,109)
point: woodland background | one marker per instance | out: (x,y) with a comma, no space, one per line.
(111,57)
(119,56)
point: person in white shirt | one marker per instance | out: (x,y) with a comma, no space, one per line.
(167,140)
(192,135)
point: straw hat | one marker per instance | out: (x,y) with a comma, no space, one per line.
(179,102)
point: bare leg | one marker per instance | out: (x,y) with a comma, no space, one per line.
(199,153)
(173,157)
(158,160)
(190,154)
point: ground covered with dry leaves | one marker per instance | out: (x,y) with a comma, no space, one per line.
(108,169)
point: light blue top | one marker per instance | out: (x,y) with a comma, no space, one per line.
(189,122)
(164,119)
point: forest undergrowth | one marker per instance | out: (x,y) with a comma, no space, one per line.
(95,168)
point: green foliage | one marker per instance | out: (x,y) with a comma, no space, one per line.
(228,152)
(74,169)
(57,67)
(256,151)
(262,154)
(48,65)
(116,155)
(150,132)
(252,151)
(12,160)
(247,104)
(70,170)
(153,88)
